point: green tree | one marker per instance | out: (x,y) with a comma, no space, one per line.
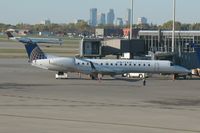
(168,25)
(143,26)
(195,26)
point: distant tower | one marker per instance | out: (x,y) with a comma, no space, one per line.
(110,17)
(128,17)
(102,19)
(142,20)
(93,17)
(119,22)
(46,22)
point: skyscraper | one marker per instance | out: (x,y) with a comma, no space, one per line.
(110,17)
(119,22)
(46,22)
(142,20)
(102,19)
(93,17)
(128,17)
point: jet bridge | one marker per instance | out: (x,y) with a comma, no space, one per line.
(97,48)
(90,48)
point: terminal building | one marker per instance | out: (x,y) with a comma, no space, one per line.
(162,40)
(108,32)
(184,52)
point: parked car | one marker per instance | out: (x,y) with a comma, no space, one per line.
(135,75)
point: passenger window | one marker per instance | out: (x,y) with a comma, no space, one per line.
(149,65)
(102,64)
(143,64)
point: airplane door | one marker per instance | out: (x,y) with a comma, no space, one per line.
(156,67)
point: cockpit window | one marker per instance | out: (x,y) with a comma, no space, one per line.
(171,64)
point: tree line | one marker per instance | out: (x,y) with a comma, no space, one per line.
(168,26)
(83,27)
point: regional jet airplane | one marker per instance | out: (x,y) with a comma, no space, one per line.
(95,67)
(34,40)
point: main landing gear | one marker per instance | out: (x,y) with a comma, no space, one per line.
(96,76)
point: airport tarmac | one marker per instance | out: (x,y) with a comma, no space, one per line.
(33,101)
(12,49)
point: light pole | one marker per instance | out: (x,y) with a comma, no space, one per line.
(173,29)
(131,22)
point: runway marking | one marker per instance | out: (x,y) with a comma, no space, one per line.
(178,102)
(90,104)
(103,123)
(20,86)
(63,100)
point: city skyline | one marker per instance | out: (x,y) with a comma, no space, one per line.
(62,11)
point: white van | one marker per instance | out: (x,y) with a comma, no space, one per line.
(61,75)
(136,75)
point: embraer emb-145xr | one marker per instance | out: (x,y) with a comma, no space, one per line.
(95,67)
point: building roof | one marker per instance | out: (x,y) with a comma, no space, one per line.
(169,33)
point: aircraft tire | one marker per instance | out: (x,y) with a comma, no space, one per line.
(141,76)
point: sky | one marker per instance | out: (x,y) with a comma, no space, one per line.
(65,11)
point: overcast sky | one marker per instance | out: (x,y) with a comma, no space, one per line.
(64,11)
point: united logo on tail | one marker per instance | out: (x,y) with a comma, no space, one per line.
(32,49)
(37,54)
(34,52)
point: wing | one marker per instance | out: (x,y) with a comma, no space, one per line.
(41,40)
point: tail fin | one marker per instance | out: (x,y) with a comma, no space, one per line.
(34,52)
(9,34)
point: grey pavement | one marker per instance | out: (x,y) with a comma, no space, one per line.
(33,101)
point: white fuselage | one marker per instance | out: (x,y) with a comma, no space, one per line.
(108,66)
